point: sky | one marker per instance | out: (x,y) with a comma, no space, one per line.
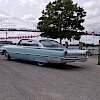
(30,10)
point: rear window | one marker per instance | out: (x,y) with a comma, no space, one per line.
(51,43)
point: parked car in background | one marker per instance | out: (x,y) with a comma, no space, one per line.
(43,50)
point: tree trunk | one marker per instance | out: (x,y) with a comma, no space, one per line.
(60,40)
(66,44)
(80,45)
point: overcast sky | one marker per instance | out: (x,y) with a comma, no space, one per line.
(31,10)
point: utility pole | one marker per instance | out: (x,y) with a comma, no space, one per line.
(6,35)
(99,54)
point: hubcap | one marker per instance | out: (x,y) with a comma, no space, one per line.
(6,55)
(40,63)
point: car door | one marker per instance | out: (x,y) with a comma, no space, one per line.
(29,48)
(19,51)
(34,52)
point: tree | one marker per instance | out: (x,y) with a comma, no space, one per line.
(62,19)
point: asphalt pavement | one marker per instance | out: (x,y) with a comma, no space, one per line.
(21,80)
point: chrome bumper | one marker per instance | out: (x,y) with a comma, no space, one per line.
(66,60)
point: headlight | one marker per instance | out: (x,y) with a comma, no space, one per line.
(65,54)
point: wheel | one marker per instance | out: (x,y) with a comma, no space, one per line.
(6,56)
(62,64)
(40,63)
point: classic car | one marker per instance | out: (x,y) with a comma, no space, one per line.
(43,50)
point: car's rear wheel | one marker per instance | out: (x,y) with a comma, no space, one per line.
(62,64)
(7,56)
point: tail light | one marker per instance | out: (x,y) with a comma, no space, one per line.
(65,54)
(87,53)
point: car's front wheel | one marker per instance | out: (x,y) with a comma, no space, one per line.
(40,63)
(7,56)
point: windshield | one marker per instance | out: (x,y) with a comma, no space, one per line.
(51,43)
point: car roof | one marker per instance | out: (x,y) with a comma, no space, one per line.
(38,39)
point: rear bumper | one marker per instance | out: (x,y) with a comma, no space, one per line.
(66,60)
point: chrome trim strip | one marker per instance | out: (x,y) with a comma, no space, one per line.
(66,57)
(34,54)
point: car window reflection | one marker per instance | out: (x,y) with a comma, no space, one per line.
(51,43)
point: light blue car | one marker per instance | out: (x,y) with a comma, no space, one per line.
(42,50)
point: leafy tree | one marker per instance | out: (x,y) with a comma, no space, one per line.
(62,19)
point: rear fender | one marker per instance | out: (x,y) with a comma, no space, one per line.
(40,59)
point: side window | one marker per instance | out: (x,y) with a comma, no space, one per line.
(32,43)
(27,42)
(23,42)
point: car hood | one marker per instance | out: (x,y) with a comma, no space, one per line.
(8,46)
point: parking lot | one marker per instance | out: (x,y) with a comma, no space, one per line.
(21,80)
